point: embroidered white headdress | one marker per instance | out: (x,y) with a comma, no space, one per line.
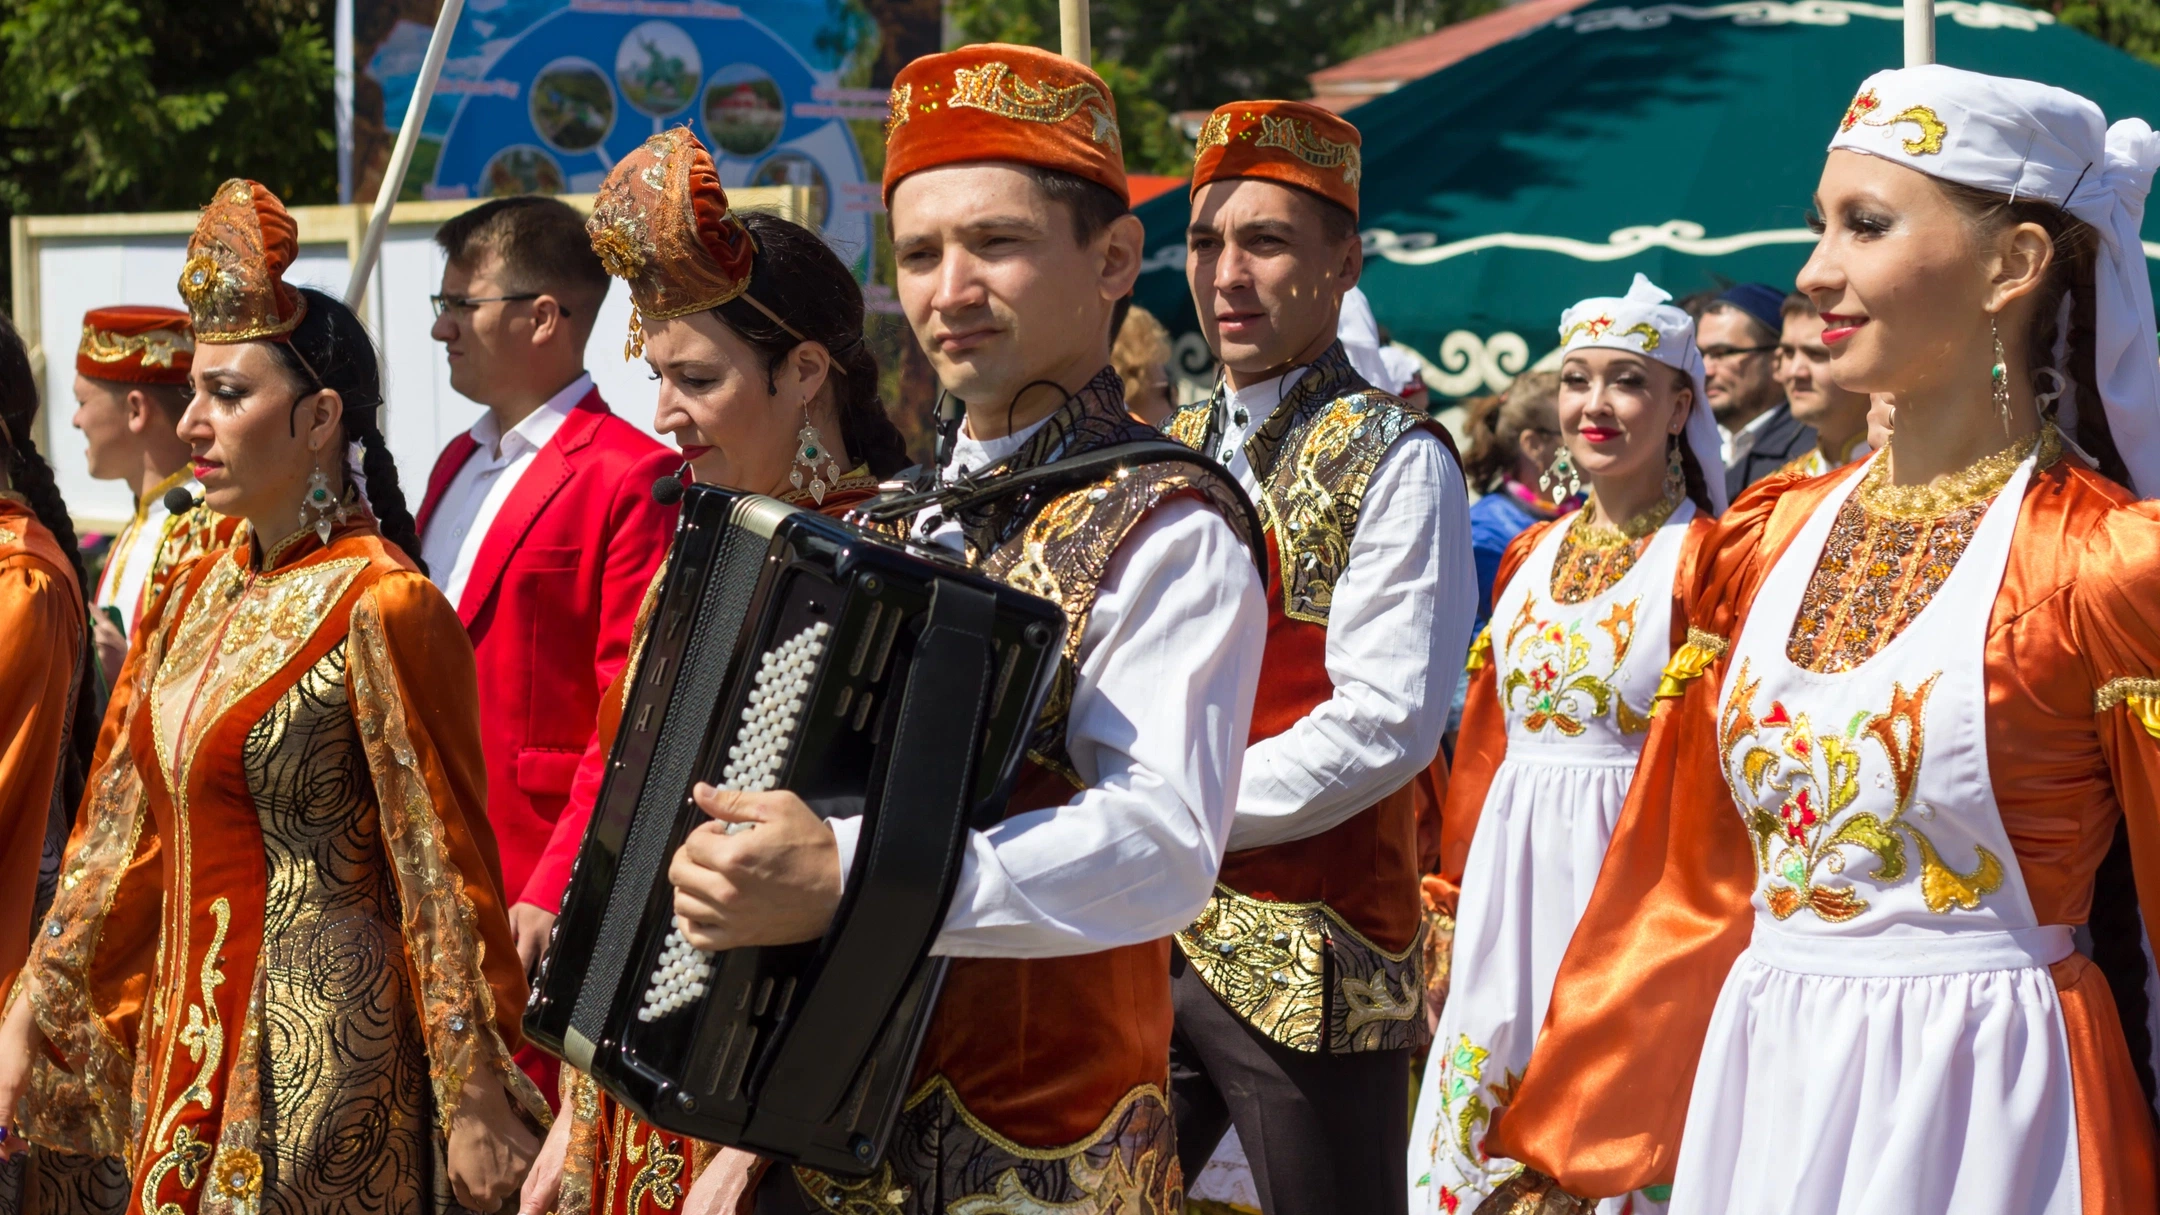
(1643,322)
(2031,140)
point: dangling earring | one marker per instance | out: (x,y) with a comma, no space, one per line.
(326,508)
(809,450)
(1999,378)
(1675,472)
(1559,481)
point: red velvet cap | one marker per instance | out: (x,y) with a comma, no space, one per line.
(1287,141)
(997,101)
(136,343)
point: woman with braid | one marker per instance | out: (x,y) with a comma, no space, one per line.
(278,975)
(48,705)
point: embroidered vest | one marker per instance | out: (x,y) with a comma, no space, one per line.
(1043,1050)
(1317,941)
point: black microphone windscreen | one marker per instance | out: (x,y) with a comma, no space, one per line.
(178,500)
(667,491)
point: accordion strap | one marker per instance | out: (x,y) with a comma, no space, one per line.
(1068,474)
(906,869)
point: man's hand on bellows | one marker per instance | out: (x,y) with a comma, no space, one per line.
(774,884)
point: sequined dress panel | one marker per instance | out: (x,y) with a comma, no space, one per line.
(346,1105)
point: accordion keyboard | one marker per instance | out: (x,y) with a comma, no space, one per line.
(769,720)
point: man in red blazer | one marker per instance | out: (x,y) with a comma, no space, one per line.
(539,522)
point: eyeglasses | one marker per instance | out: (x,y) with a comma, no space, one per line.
(1721,353)
(465,304)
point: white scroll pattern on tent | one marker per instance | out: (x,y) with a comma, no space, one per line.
(1986,15)
(1470,364)
(1684,236)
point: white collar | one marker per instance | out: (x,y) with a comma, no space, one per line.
(536,428)
(974,455)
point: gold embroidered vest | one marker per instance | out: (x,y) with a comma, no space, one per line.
(1316,943)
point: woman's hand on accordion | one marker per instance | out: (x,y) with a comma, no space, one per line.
(775,885)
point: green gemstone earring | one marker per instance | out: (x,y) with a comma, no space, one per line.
(319,500)
(1999,378)
(810,451)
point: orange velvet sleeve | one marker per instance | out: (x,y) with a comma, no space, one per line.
(1602,1104)
(2117,632)
(41,630)
(416,700)
(1481,745)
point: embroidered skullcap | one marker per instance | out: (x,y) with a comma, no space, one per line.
(1285,141)
(1762,302)
(136,344)
(234,278)
(2034,141)
(1644,322)
(996,101)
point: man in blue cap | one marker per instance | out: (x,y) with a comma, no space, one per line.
(1738,333)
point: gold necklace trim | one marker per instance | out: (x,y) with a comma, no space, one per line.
(1599,535)
(1976,482)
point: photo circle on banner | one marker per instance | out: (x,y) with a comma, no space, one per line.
(522,169)
(572,105)
(658,67)
(744,110)
(796,169)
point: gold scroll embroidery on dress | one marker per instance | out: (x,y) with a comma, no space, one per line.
(1795,782)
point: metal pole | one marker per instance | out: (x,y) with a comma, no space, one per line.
(401,154)
(1919,32)
(1073,31)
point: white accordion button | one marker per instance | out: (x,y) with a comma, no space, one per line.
(761,742)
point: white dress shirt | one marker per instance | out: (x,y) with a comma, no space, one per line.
(476,495)
(1168,665)
(1398,629)
(1739,444)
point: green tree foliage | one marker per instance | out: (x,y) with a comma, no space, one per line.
(1161,57)
(139,105)
(2133,25)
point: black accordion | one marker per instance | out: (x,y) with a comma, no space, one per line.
(791,650)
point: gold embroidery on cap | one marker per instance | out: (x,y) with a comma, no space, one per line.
(1297,136)
(207,288)
(1215,133)
(1932,129)
(902,94)
(157,347)
(1597,327)
(993,88)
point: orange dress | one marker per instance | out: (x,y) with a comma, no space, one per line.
(41,640)
(280,948)
(2072,731)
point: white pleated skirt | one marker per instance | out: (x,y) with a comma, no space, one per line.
(1548,819)
(1856,1093)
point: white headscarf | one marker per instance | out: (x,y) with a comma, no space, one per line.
(1360,336)
(1642,322)
(2031,140)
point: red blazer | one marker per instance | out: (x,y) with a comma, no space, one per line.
(553,593)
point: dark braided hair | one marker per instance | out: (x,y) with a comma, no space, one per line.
(331,349)
(798,276)
(32,477)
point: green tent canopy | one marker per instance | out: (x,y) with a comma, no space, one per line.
(1677,140)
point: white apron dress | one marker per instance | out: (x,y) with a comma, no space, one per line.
(1576,682)
(1891,1039)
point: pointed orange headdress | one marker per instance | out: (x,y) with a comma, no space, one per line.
(661,224)
(234,279)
